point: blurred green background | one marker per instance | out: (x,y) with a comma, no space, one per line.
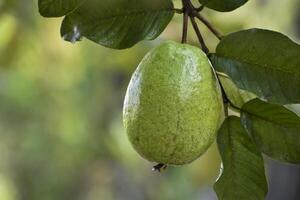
(61,133)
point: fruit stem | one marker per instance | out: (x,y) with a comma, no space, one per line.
(226,100)
(200,8)
(209,25)
(189,10)
(178,11)
(199,35)
(185,22)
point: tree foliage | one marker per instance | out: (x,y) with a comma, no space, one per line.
(249,63)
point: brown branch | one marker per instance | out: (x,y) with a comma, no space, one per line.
(185,27)
(209,25)
(186,13)
(200,8)
(178,11)
(199,35)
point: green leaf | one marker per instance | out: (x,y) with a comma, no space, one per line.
(118,24)
(237,97)
(57,8)
(223,5)
(244,175)
(274,128)
(263,62)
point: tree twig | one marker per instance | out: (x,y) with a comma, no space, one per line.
(227,102)
(178,11)
(199,35)
(200,8)
(209,25)
(185,27)
(185,22)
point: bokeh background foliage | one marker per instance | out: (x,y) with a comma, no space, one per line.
(61,133)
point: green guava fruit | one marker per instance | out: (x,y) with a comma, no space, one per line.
(173,105)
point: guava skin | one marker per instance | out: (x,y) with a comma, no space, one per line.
(173,105)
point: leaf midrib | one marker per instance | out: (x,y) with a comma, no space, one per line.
(231,159)
(137,12)
(233,155)
(265,119)
(261,66)
(77,7)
